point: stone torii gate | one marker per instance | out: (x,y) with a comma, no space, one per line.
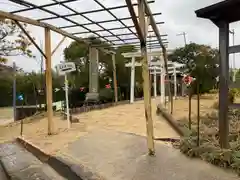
(160,71)
(159,65)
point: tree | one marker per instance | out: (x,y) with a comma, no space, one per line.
(12,41)
(201,62)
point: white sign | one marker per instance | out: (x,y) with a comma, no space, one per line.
(57,89)
(66,68)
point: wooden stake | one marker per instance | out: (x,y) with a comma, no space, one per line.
(115,78)
(189,107)
(146,80)
(49,81)
(58,45)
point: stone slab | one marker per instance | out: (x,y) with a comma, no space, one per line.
(2,174)
(22,165)
(36,173)
(9,149)
(122,156)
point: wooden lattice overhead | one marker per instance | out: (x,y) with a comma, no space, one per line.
(107,20)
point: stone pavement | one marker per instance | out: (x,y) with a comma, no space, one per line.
(122,156)
(22,165)
(3,175)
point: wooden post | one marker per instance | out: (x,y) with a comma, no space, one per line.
(223,84)
(58,45)
(115,78)
(189,107)
(146,84)
(49,81)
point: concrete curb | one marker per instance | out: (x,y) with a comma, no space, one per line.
(169,118)
(63,165)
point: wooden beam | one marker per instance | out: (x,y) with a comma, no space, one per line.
(146,80)
(135,21)
(153,23)
(49,81)
(29,37)
(58,45)
(44,25)
(165,56)
(139,54)
(40,24)
(234,49)
(115,78)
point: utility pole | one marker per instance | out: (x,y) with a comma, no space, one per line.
(184,36)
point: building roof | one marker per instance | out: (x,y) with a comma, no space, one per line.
(227,10)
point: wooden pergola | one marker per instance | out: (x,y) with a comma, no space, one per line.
(135,34)
(222,14)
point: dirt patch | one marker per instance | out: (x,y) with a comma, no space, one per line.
(128,118)
(6,115)
(181,107)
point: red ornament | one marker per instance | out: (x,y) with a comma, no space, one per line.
(108,86)
(187,79)
(82,89)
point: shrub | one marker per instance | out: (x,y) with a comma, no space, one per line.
(213,91)
(106,95)
(209,149)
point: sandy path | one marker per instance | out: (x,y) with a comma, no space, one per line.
(126,118)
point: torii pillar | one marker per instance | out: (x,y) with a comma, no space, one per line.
(93,94)
(132,80)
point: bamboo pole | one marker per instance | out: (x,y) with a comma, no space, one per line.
(146,80)
(49,81)
(58,45)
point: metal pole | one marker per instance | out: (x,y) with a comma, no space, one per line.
(198,115)
(189,107)
(67,102)
(132,80)
(14,92)
(21,128)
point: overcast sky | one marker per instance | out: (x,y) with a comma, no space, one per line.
(178,15)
